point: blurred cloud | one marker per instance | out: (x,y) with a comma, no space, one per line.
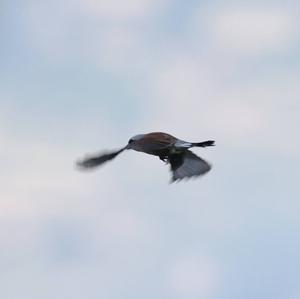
(194,277)
(47,27)
(118,48)
(122,11)
(253,30)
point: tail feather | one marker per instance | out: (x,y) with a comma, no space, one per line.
(204,143)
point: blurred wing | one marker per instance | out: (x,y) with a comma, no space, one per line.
(186,165)
(93,161)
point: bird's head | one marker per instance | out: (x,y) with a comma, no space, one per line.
(133,142)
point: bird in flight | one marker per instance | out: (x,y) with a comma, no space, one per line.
(171,150)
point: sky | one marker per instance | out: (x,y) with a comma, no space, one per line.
(82,76)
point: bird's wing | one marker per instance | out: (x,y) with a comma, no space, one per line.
(97,160)
(187,164)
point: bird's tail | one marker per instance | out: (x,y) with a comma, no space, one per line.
(204,143)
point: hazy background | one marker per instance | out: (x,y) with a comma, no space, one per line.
(84,75)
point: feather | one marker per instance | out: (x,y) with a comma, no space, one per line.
(97,160)
(186,165)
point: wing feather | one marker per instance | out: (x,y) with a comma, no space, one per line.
(187,164)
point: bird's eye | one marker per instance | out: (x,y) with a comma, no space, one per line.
(130,141)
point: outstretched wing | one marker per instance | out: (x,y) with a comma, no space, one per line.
(97,160)
(186,165)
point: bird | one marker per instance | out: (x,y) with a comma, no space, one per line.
(169,149)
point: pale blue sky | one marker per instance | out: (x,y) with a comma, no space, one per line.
(84,75)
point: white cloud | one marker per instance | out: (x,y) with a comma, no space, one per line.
(104,40)
(196,97)
(252,30)
(182,79)
(33,171)
(115,10)
(47,26)
(194,277)
(188,96)
(121,223)
(236,119)
(180,92)
(117,48)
